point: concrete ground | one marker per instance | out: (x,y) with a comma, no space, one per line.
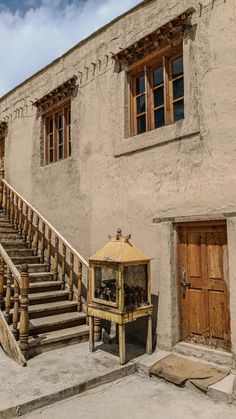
(137,397)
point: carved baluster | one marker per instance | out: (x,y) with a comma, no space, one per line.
(8,296)
(16,214)
(1,192)
(30,227)
(36,237)
(16,309)
(25,227)
(97,329)
(20,226)
(12,207)
(49,249)
(79,285)
(63,267)
(42,244)
(71,276)
(55,264)
(8,203)
(5,200)
(24,311)
(1,281)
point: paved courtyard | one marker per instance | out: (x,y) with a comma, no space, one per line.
(137,397)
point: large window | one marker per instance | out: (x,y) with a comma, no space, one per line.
(157,92)
(58,134)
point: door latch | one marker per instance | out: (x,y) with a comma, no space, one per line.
(184,284)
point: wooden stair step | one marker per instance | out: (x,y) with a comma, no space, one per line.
(41,276)
(48,297)
(36,268)
(19,252)
(50,309)
(19,260)
(59,338)
(41,286)
(14,244)
(52,323)
(7,229)
(8,236)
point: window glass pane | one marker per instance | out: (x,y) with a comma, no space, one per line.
(178,110)
(158,76)
(51,141)
(177,66)
(141,124)
(140,85)
(69,148)
(60,120)
(178,88)
(69,117)
(159,118)
(141,104)
(51,156)
(60,137)
(51,125)
(60,152)
(159,97)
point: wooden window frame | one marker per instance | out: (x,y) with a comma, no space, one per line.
(53,115)
(146,67)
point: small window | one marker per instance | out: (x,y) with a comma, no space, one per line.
(157,92)
(57,135)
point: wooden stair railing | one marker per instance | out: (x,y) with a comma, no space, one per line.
(20,324)
(46,241)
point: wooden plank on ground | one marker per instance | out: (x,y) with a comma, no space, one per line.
(9,343)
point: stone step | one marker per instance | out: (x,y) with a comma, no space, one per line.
(41,276)
(48,297)
(14,244)
(44,286)
(57,339)
(20,260)
(19,252)
(51,309)
(53,323)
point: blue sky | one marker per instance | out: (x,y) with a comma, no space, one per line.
(34,32)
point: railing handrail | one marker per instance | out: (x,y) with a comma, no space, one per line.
(53,229)
(10,264)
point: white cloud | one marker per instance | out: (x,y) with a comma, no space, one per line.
(30,41)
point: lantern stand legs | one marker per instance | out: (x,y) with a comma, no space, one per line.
(149,335)
(91,334)
(121,328)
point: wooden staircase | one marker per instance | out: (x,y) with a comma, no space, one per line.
(52,316)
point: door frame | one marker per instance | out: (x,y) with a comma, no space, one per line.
(199,223)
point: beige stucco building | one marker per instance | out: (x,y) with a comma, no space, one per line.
(172,187)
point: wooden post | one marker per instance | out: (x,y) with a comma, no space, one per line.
(49,250)
(16,309)
(20,226)
(79,286)
(63,267)
(55,264)
(16,214)
(36,237)
(121,328)
(24,311)
(42,244)
(30,227)
(12,208)
(97,329)
(8,203)
(71,276)
(5,200)
(149,336)
(91,334)
(1,192)
(8,296)
(1,281)
(25,228)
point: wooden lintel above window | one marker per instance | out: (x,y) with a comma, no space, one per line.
(167,35)
(3,128)
(56,97)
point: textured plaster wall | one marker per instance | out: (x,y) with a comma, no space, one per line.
(109,181)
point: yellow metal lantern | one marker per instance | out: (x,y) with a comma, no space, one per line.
(120,288)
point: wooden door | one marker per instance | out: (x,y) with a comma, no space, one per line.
(203,284)
(2,153)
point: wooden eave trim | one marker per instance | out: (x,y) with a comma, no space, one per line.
(166,36)
(57,97)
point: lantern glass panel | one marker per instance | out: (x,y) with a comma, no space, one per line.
(106,283)
(135,286)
